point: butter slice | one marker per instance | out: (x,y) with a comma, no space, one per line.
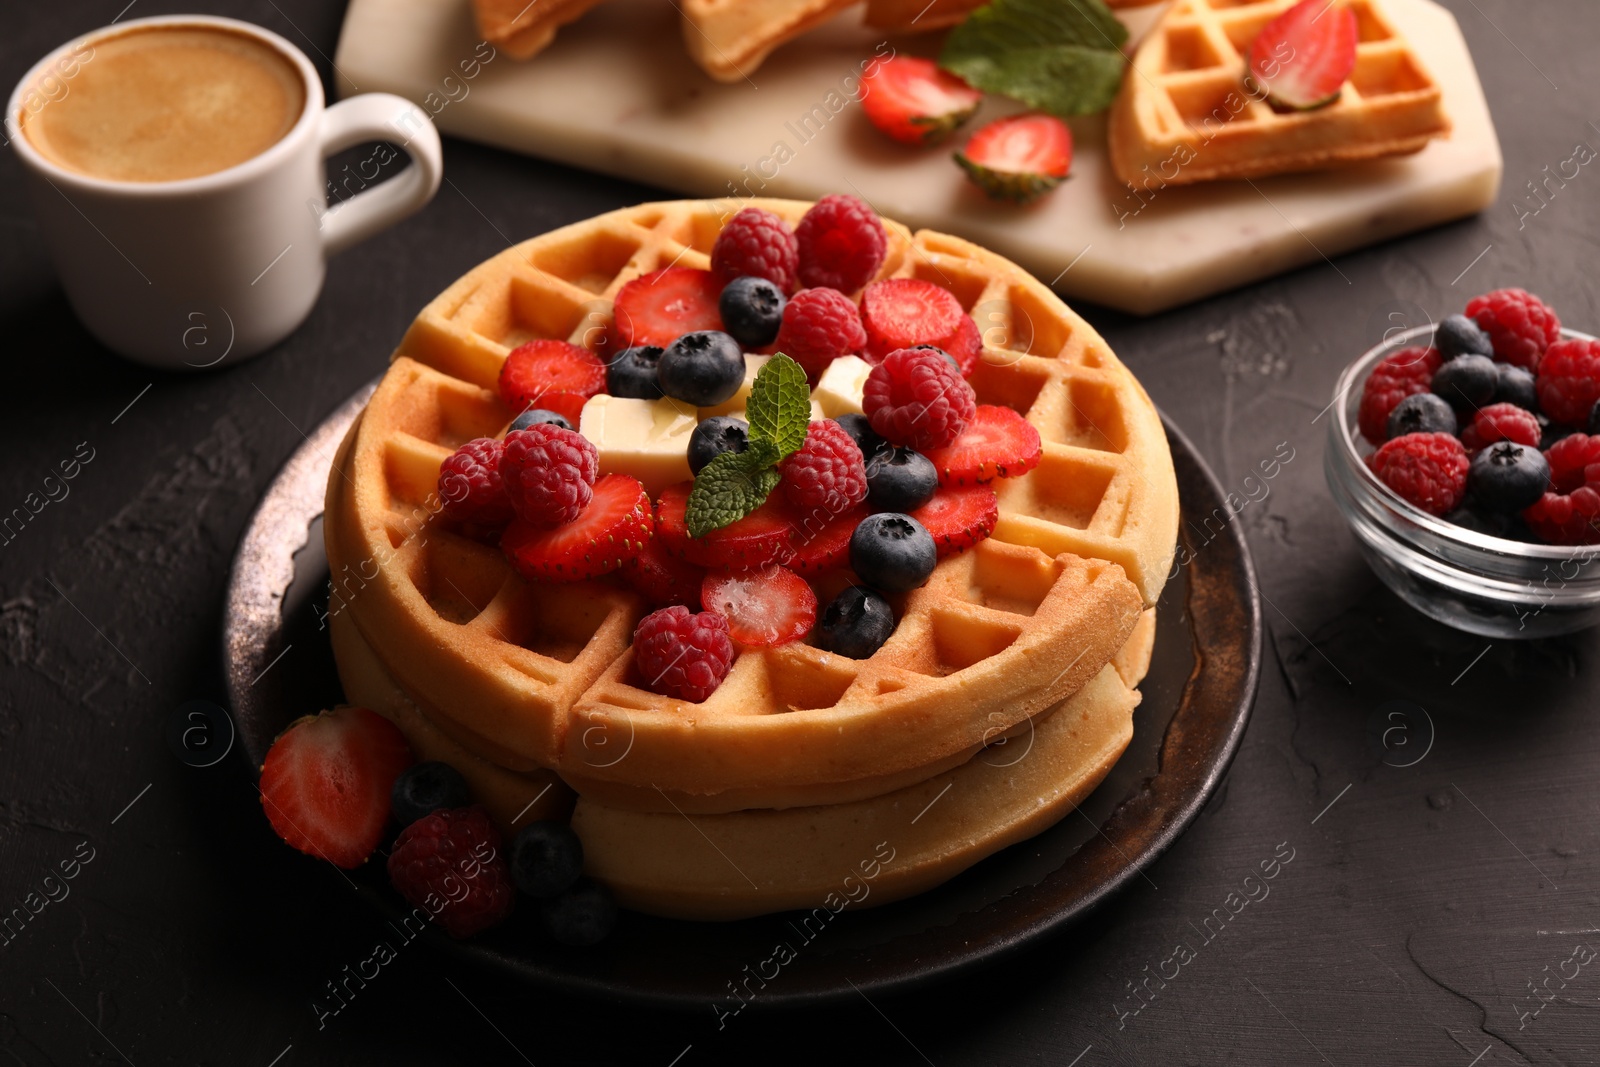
(648,439)
(735,404)
(839,389)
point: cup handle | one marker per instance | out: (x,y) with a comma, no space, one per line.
(380,117)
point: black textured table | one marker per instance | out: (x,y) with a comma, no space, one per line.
(1425,799)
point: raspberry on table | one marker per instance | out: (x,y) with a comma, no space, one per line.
(819,326)
(549,473)
(438,855)
(1569,381)
(1570,458)
(759,244)
(1566,518)
(683,654)
(1428,470)
(470,485)
(842,244)
(1520,325)
(1501,422)
(1397,376)
(827,475)
(917,398)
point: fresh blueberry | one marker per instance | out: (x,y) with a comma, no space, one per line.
(1507,477)
(714,436)
(536,416)
(424,788)
(633,373)
(702,368)
(1458,335)
(1594,418)
(752,310)
(1421,413)
(1516,387)
(954,362)
(1552,434)
(582,916)
(859,427)
(546,859)
(1467,382)
(902,479)
(1478,522)
(892,552)
(856,623)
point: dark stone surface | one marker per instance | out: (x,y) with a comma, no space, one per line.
(1418,915)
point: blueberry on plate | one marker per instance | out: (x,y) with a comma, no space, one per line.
(752,310)
(903,479)
(582,916)
(1507,477)
(536,417)
(856,623)
(546,858)
(859,427)
(892,552)
(1467,382)
(424,788)
(702,368)
(632,373)
(714,436)
(1516,387)
(1421,413)
(1458,335)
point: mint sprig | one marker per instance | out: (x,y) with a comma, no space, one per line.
(1064,58)
(734,484)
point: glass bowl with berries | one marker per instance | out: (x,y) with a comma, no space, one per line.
(1465,455)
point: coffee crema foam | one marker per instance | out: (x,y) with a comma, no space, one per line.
(167,103)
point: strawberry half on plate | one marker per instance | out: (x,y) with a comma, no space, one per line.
(1018,158)
(913,101)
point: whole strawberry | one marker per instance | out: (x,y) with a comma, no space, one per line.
(450,864)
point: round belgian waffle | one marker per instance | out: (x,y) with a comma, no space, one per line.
(530,676)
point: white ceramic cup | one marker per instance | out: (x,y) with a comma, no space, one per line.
(193,272)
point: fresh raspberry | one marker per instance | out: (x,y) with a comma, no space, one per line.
(1570,458)
(917,398)
(819,326)
(470,484)
(450,864)
(1520,324)
(683,654)
(549,473)
(1425,469)
(828,474)
(1569,380)
(1501,422)
(1396,377)
(757,243)
(1566,519)
(842,244)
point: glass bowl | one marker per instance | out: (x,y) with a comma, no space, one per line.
(1470,581)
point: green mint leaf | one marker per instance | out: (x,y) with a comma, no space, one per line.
(730,487)
(779,408)
(1063,58)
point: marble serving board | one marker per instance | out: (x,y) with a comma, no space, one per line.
(617,93)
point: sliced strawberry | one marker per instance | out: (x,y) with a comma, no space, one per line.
(912,100)
(765,607)
(610,531)
(901,312)
(966,344)
(822,548)
(1301,59)
(660,307)
(760,538)
(1018,158)
(959,518)
(326,782)
(997,443)
(662,578)
(553,375)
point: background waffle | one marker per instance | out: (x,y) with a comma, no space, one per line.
(1184,115)
(532,676)
(522,28)
(730,38)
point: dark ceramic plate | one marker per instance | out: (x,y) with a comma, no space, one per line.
(1197,699)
